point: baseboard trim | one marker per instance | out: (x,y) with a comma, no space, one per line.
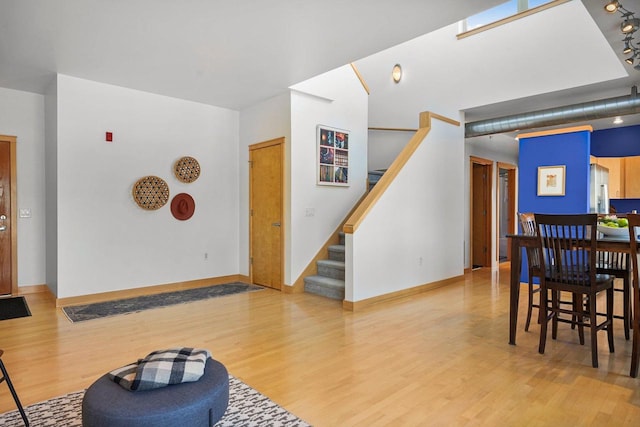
(32,289)
(286,289)
(359,305)
(149,290)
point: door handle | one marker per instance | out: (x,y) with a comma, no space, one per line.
(3,228)
(275,224)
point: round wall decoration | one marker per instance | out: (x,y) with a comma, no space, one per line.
(187,169)
(183,206)
(150,192)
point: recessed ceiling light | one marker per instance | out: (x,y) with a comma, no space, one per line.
(618,120)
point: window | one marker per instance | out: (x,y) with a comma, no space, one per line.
(502,11)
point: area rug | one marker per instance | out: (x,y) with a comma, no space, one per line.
(247,408)
(12,308)
(80,313)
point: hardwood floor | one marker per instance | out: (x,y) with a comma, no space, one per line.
(438,359)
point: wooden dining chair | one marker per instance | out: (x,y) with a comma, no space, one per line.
(528,226)
(634,230)
(5,377)
(569,241)
(617,265)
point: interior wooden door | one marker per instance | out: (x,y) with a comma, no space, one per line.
(8,231)
(266,228)
(505,209)
(481,171)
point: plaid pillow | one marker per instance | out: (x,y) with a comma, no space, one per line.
(162,368)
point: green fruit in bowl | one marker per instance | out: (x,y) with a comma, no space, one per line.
(613,222)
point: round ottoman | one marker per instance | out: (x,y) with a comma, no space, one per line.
(197,404)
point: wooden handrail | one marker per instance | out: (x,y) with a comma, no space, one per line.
(362,82)
(381,186)
(394,129)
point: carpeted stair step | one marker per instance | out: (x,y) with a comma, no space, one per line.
(336,252)
(324,286)
(331,268)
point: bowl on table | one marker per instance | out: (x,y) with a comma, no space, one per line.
(613,231)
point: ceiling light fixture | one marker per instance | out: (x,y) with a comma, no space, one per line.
(612,6)
(618,120)
(630,24)
(396,73)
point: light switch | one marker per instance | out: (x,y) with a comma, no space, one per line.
(25,213)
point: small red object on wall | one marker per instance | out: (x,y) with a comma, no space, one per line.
(109,137)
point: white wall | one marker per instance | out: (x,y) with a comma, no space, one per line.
(384,147)
(413,235)
(22,115)
(51,187)
(336,99)
(268,120)
(105,241)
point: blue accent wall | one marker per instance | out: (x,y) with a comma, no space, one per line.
(616,142)
(625,205)
(569,149)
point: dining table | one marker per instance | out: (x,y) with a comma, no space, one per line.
(521,241)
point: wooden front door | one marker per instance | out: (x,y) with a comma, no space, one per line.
(266,195)
(8,231)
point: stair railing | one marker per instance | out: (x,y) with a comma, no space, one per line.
(381,186)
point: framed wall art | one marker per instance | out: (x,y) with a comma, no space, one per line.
(333,156)
(551,180)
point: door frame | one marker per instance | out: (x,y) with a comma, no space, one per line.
(488,165)
(253,147)
(511,210)
(13,215)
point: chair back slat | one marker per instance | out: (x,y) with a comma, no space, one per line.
(528,226)
(527,223)
(568,245)
(612,260)
(634,230)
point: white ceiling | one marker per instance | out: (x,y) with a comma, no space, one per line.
(236,53)
(516,61)
(226,53)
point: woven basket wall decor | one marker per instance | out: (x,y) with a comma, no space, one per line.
(187,169)
(150,192)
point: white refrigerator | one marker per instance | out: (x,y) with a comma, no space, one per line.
(598,189)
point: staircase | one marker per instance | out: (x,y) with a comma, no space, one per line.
(374,176)
(329,282)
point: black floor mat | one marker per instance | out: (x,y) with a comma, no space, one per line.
(12,308)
